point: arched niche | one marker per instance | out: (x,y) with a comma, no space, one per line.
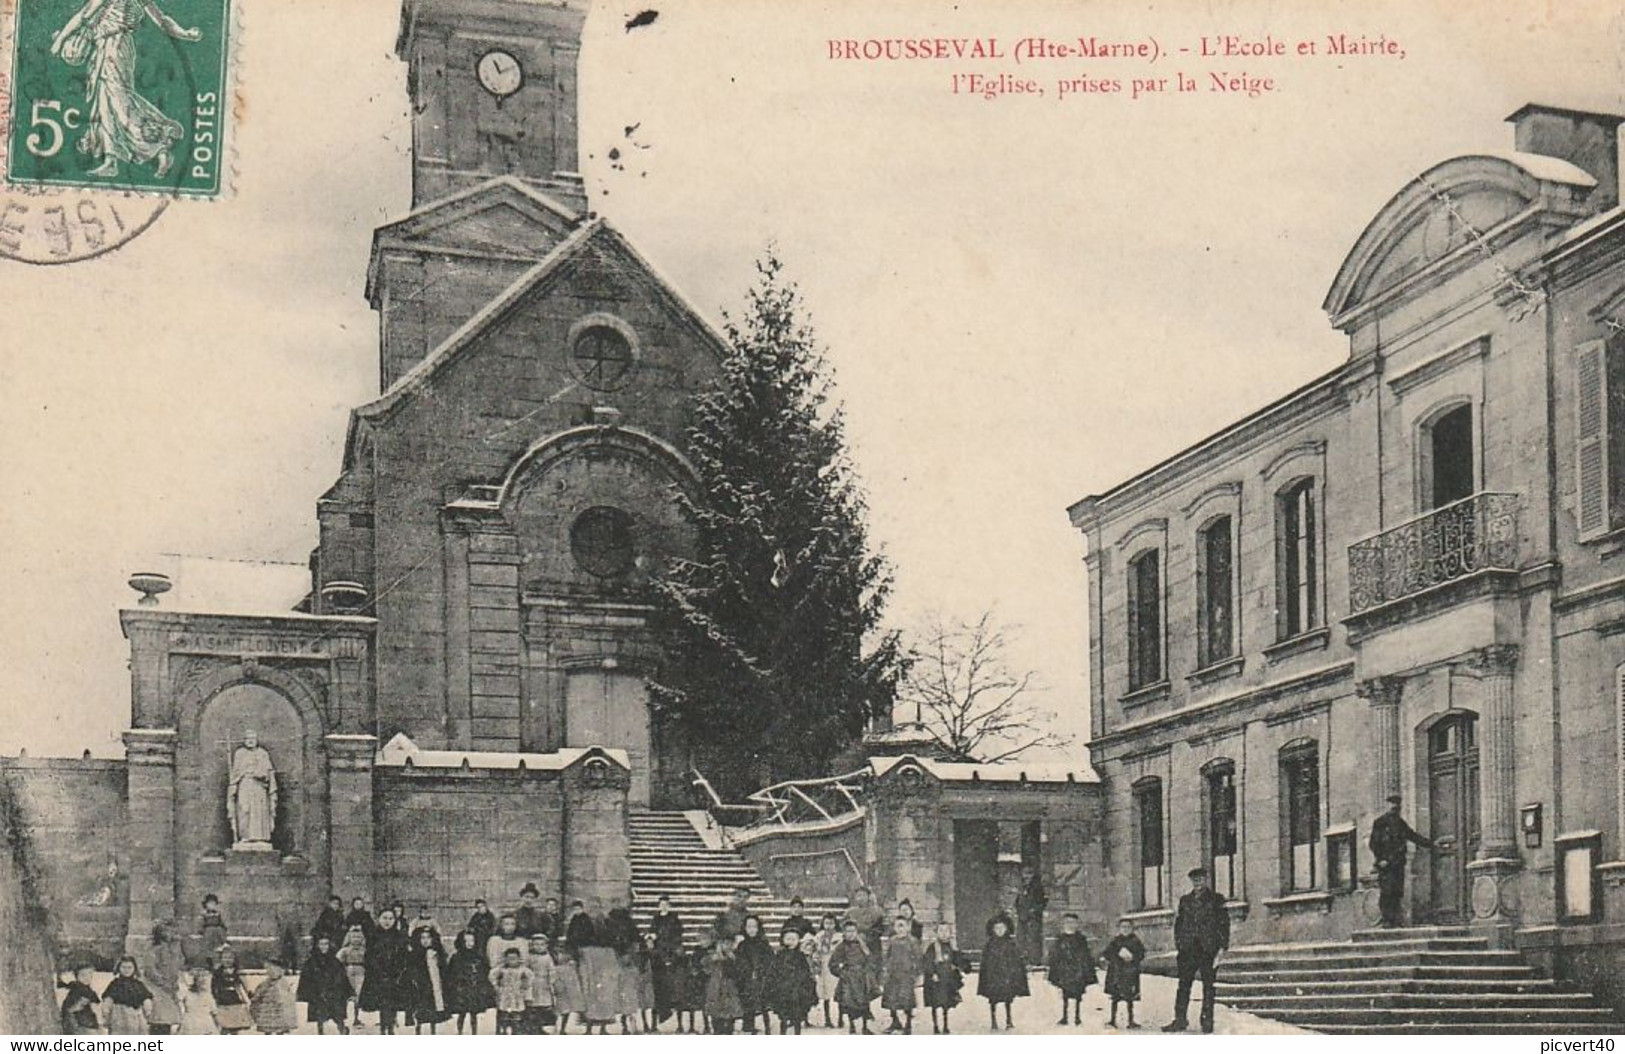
(596,510)
(226,718)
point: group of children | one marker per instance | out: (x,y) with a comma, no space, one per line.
(1071,969)
(542,971)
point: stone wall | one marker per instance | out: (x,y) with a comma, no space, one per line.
(817,863)
(73,819)
(910,846)
(28,968)
(447,837)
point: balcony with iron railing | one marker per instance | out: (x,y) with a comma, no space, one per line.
(1449,544)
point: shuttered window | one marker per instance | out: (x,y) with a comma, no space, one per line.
(1599,446)
(1619,758)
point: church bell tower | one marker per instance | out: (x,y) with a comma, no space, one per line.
(493,91)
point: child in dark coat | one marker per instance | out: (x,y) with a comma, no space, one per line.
(1122,957)
(1071,968)
(388,957)
(127,1000)
(753,960)
(324,988)
(425,981)
(1004,974)
(854,970)
(903,969)
(945,968)
(791,991)
(688,991)
(79,1004)
(468,982)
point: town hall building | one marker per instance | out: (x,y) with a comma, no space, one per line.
(1405,578)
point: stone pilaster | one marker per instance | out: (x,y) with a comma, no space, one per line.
(150,761)
(349,802)
(1384,694)
(597,863)
(1494,876)
(906,809)
(1496,750)
(150,703)
(351,712)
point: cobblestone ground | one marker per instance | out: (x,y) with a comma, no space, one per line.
(1036,1015)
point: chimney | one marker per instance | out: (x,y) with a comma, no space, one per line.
(1589,141)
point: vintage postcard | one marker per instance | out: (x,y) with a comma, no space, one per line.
(726,516)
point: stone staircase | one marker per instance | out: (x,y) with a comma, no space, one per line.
(1422,980)
(669,856)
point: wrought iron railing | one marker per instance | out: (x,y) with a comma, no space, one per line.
(785,805)
(1474,534)
(810,801)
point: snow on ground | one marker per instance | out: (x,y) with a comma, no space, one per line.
(1036,1015)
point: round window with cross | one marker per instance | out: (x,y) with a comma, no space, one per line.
(603,357)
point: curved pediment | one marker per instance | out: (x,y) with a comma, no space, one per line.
(1447,213)
(596,510)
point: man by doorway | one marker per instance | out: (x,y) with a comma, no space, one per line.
(1390,841)
(1030,904)
(1201,932)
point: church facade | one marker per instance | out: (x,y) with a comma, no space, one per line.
(456,706)
(1403,578)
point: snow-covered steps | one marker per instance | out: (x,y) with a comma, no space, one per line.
(1426,979)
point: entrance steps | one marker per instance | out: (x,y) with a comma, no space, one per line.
(1426,979)
(670,856)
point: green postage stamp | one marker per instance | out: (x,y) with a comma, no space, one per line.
(119,94)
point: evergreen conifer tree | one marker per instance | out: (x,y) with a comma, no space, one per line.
(775,659)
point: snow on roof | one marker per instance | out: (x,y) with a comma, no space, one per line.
(216,586)
(1003,772)
(400,750)
(1544,167)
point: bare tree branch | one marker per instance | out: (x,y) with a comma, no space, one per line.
(962,689)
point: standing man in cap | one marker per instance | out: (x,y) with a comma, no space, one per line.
(1390,836)
(1201,932)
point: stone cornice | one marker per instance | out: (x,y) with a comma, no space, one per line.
(1209,456)
(1225,705)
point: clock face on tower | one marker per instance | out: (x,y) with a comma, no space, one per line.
(500,73)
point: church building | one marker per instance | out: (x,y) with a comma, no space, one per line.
(427,716)
(450,703)
(1407,577)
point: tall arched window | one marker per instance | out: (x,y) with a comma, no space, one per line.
(1215,590)
(1300,815)
(1219,829)
(1447,469)
(1145,619)
(1297,560)
(1149,844)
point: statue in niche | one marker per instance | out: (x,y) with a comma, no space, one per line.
(251,795)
